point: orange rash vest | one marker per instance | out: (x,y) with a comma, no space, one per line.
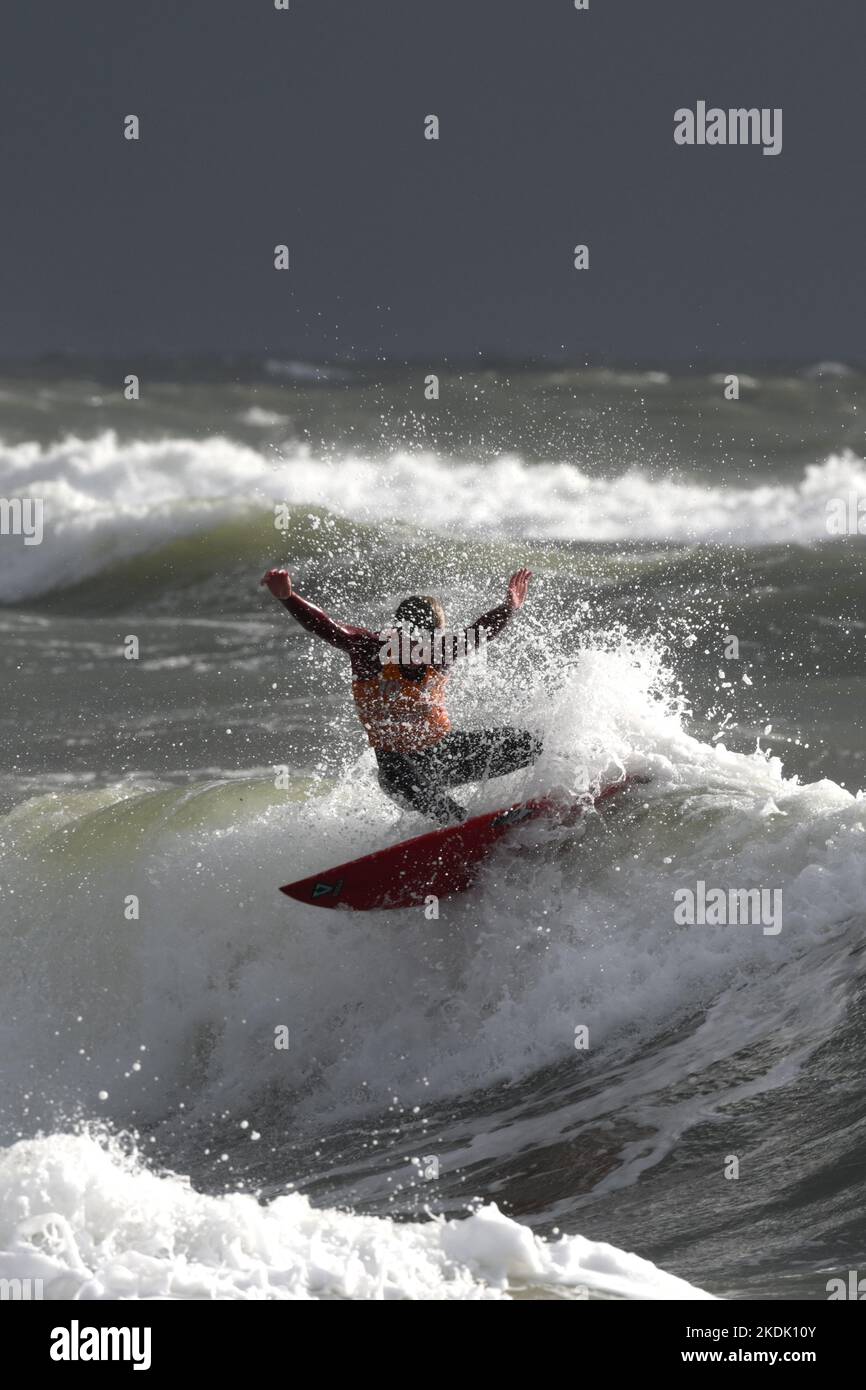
(400,715)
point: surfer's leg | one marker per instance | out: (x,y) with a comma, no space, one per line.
(411,783)
(477,755)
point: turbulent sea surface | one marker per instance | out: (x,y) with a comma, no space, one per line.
(155,1142)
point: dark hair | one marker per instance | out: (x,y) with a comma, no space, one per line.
(421,611)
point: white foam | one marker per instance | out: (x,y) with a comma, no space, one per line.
(105,500)
(92,1223)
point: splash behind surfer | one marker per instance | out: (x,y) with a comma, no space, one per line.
(402,703)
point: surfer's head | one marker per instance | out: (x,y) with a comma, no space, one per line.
(421,612)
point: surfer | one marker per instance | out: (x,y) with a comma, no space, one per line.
(402,704)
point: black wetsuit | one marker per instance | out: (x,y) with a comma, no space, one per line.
(419,779)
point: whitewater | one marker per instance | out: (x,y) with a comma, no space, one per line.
(106,499)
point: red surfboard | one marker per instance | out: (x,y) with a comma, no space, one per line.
(441,862)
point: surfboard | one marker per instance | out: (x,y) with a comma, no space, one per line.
(439,863)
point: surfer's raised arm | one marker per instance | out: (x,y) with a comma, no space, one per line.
(494,621)
(314,619)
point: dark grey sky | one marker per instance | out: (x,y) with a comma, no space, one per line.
(306,127)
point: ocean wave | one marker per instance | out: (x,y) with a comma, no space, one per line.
(105,501)
(182,1007)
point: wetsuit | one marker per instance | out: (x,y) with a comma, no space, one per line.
(402,708)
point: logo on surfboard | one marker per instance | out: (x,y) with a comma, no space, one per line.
(320,890)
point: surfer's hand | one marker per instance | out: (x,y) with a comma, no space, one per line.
(517,587)
(279,582)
